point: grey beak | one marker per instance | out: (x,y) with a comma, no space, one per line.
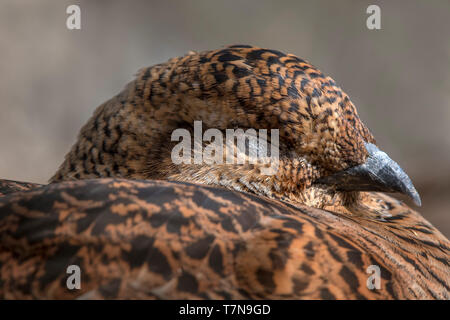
(378,173)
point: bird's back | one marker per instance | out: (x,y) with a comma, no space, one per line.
(159,239)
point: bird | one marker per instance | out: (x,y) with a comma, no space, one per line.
(10,186)
(141,226)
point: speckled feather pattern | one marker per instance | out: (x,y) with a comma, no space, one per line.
(166,240)
(217,231)
(235,87)
(9,186)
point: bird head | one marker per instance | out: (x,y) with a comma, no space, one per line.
(323,146)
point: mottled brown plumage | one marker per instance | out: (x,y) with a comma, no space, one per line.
(156,239)
(9,186)
(306,232)
(129,136)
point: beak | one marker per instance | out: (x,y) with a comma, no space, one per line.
(378,173)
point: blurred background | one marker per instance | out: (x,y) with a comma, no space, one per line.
(52,78)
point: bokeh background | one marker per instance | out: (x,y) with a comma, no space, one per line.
(52,78)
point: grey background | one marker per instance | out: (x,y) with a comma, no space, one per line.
(51,78)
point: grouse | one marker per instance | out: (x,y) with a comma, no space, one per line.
(141,225)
